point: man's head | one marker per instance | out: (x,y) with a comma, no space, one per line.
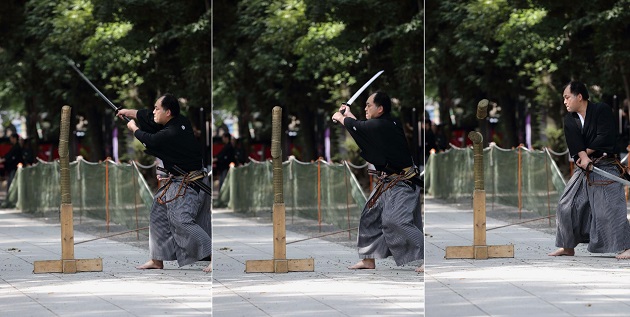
(14,138)
(165,108)
(226,138)
(378,104)
(575,96)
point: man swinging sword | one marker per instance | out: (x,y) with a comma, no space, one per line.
(390,223)
(180,227)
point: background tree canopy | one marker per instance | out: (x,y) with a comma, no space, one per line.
(308,56)
(519,55)
(133,51)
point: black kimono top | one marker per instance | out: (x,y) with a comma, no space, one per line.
(382,142)
(599,131)
(174,143)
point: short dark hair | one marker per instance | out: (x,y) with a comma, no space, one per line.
(227,135)
(382,99)
(577,88)
(169,102)
(14,136)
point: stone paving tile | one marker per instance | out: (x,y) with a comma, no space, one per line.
(120,290)
(332,290)
(530,284)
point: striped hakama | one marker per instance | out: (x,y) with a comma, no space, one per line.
(595,214)
(180,229)
(393,226)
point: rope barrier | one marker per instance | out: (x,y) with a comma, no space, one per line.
(521,222)
(493,145)
(112,235)
(357,166)
(145,166)
(557,153)
(323,235)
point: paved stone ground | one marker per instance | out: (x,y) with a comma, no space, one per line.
(332,290)
(119,290)
(530,284)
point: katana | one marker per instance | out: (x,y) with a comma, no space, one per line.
(200,184)
(71,63)
(358,93)
(601,172)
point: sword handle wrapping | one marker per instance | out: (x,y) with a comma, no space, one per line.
(124,117)
(342,111)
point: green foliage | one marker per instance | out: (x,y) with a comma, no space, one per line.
(520,53)
(308,56)
(131,50)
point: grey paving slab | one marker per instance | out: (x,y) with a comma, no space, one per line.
(120,290)
(530,284)
(332,290)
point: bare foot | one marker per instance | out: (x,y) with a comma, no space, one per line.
(208,268)
(563,251)
(365,264)
(624,255)
(151,264)
(420,269)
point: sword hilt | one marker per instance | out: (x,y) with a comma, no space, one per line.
(589,166)
(342,111)
(124,117)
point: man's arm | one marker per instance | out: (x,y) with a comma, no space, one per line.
(129,113)
(131,125)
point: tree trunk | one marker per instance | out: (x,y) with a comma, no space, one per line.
(509,125)
(446,104)
(626,85)
(96,134)
(308,135)
(243,121)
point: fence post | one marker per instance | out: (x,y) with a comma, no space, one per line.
(319,194)
(107,194)
(519,173)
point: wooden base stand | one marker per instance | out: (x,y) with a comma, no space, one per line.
(280,263)
(279,266)
(67,264)
(480,251)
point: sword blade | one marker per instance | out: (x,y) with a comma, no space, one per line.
(364,87)
(71,63)
(618,179)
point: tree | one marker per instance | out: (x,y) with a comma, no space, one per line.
(120,45)
(519,53)
(305,56)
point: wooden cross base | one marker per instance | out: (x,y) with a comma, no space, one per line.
(480,252)
(68,266)
(280,266)
(280,263)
